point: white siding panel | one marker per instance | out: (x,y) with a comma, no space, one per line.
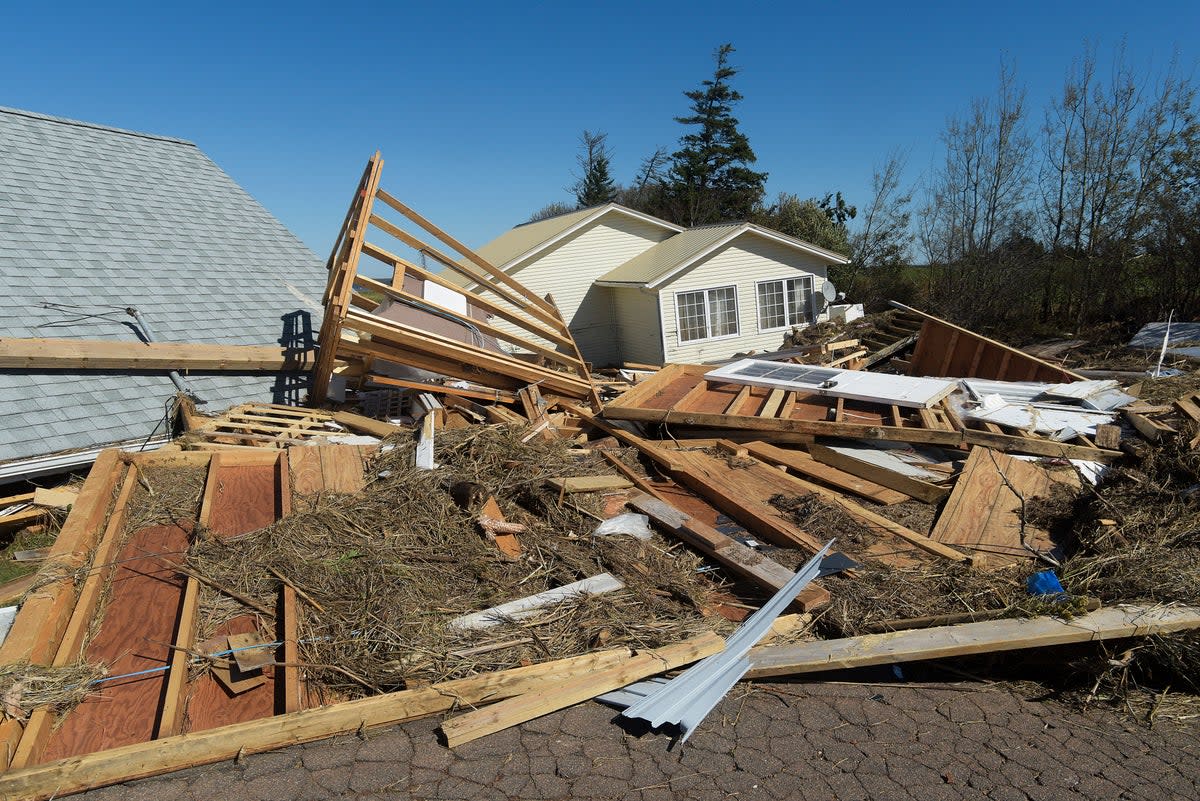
(744,262)
(639,335)
(568,271)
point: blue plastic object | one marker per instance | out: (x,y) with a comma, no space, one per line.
(1044,583)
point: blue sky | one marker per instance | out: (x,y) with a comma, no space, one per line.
(477,107)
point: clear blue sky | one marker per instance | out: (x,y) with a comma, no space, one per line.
(477,107)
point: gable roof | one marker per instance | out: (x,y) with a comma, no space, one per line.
(529,239)
(659,264)
(96,219)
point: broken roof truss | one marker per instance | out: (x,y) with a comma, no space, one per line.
(497,334)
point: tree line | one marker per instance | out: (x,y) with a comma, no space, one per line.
(1086,213)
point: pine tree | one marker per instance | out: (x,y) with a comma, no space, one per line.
(710,178)
(595,186)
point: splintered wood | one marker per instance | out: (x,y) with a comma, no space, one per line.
(985,513)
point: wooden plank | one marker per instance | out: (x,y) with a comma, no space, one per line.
(735,405)
(875,521)
(479,393)
(243,498)
(293,689)
(456,359)
(304,464)
(910,487)
(367,425)
(966,639)
(740,559)
(96,354)
(573,484)
(38,628)
(806,465)
(342,468)
(505,335)
(744,496)
(520,709)
(170,722)
(56,498)
(774,401)
(1148,427)
(64,777)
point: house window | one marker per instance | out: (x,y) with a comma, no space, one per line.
(785,303)
(707,314)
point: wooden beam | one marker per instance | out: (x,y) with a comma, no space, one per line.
(170,721)
(571,691)
(912,487)
(75,774)
(480,393)
(108,355)
(878,522)
(741,560)
(967,639)
(806,465)
(367,425)
(38,628)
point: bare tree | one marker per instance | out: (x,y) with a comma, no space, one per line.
(882,241)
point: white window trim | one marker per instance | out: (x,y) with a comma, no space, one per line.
(737,315)
(812,301)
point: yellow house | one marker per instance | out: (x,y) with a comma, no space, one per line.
(635,288)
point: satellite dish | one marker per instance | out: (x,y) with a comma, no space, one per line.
(829,292)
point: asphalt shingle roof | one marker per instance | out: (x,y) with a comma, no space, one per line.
(94,220)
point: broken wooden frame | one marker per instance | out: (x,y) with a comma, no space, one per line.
(681,395)
(352,331)
(156,697)
(946,349)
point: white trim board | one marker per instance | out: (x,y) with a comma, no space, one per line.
(899,390)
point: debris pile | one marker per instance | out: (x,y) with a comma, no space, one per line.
(459,524)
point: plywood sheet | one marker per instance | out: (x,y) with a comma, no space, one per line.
(210,705)
(983,513)
(244,498)
(137,624)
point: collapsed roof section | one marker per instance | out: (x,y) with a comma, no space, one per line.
(420,324)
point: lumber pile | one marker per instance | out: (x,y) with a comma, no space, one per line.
(456,477)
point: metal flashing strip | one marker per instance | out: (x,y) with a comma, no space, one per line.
(688,698)
(22,469)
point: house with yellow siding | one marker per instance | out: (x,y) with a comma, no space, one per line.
(635,288)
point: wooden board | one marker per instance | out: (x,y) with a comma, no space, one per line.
(909,486)
(574,484)
(983,513)
(244,497)
(806,465)
(140,760)
(740,559)
(90,354)
(210,705)
(514,711)
(966,639)
(138,624)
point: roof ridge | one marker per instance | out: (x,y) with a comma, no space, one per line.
(33,115)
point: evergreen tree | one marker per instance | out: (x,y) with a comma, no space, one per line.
(710,177)
(595,187)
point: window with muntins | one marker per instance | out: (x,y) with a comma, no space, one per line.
(784,303)
(707,313)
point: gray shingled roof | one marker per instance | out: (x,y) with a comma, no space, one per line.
(97,219)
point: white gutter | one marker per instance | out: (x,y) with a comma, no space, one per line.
(22,469)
